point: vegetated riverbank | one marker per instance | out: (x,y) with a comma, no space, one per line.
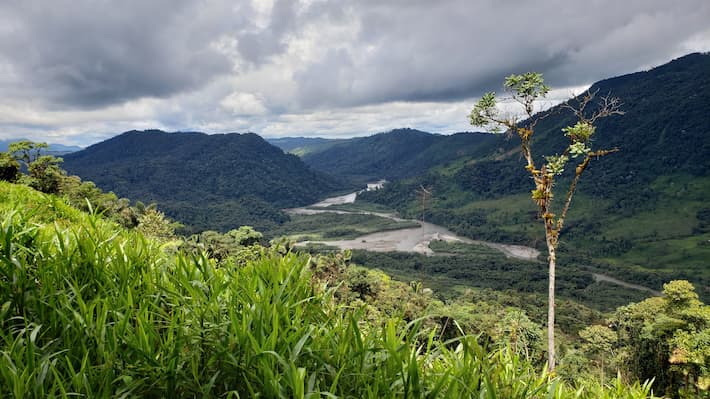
(417,240)
(109,312)
(403,240)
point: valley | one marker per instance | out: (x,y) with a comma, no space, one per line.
(450,240)
(380,200)
(414,240)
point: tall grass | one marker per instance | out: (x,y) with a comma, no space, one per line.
(89,310)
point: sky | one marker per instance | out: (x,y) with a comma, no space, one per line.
(80,71)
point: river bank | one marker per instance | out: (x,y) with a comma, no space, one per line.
(418,239)
(414,240)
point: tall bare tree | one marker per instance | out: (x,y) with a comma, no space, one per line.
(526,89)
(424,196)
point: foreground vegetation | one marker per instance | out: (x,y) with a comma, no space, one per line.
(91,309)
(114,303)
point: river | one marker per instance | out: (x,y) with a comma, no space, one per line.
(404,240)
(417,239)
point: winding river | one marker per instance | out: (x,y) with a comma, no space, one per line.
(415,239)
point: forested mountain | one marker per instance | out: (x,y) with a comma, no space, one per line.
(664,130)
(645,206)
(303,145)
(214,182)
(396,154)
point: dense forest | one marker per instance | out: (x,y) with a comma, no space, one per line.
(397,154)
(216,182)
(94,308)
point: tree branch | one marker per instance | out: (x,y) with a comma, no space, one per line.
(577,175)
(608,106)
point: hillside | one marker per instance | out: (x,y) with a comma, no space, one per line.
(102,311)
(644,208)
(216,182)
(396,154)
(302,145)
(92,309)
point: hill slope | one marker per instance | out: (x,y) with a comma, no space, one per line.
(206,181)
(93,310)
(396,154)
(302,145)
(644,207)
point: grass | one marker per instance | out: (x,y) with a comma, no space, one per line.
(688,255)
(460,248)
(665,239)
(361,206)
(90,310)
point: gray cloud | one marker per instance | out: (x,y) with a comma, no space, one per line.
(455,49)
(95,53)
(74,67)
(258,46)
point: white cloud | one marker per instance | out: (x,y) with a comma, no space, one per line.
(244,104)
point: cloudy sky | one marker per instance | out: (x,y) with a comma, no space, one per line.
(79,71)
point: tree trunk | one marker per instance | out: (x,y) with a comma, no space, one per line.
(551,308)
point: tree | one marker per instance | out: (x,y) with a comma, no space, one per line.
(246,236)
(26,151)
(43,171)
(517,332)
(45,174)
(525,89)
(236,245)
(424,196)
(668,339)
(153,223)
(9,167)
(598,342)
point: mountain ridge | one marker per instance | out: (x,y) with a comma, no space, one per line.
(399,153)
(644,207)
(213,182)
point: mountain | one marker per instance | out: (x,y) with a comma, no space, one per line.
(216,182)
(396,154)
(62,149)
(644,208)
(302,145)
(53,149)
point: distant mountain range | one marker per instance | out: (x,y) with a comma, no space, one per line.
(303,145)
(215,182)
(645,206)
(54,149)
(392,155)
